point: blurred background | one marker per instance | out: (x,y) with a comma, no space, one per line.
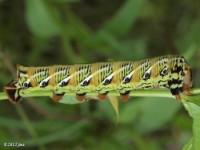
(47,32)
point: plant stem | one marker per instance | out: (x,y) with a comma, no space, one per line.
(3,96)
(135,93)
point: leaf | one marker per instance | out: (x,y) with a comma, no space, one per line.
(194,112)
(155,112)
(40,19)
(66,1)
(121,23)
(191,36)
(138,46)
(149,113)
(70,100)
(130,111)
(114,102)
(188,146)
(66,133)
(192,98)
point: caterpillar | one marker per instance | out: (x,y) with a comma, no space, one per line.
(170,71)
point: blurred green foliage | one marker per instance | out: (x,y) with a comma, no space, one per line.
(46,32)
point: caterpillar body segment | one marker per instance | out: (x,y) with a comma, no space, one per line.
(168,71)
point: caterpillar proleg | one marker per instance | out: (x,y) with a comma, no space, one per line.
(170,71)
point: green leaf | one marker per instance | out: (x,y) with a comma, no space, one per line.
(191,36)
(192,98)
(151,113)
(129,112)
(40,19)
(70,100)
(114,102)
(188,146)
(106,111)
(135,45)
(65,1)
(194,112)
(121,23)
(66,133)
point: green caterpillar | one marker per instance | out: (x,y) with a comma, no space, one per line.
(170,71)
